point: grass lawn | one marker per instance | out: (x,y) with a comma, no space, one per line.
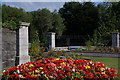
(109,62)
(0,73)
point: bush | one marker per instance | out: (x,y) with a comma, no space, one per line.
(88,44)
(36,52)
(55,54)
(107,49)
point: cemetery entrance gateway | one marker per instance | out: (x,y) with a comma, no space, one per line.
(14,46)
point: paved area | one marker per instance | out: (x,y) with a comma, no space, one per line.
(117,55)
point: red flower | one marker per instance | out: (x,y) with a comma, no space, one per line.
(68,74)
(67,68)
(98,73)
(77,79)
(57,69)
(54,74)
(5,73)
(90,75)
(51,64)
(16,76)
(12,76)
(61,76)
(107,72)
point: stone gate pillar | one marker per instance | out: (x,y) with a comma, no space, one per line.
(23,44)
(51,40)
(115,39)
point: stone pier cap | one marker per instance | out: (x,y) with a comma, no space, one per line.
(24,24)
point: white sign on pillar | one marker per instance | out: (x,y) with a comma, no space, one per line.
(23,43)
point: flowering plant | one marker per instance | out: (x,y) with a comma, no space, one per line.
(60,69)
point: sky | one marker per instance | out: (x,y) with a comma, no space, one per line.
(33,5)
(52,0)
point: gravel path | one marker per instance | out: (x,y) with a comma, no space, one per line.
(117,55)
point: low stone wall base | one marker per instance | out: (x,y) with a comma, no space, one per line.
(22,59)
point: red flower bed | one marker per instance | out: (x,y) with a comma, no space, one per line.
(60,69)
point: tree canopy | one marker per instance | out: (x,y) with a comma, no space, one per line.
(80,17)
(42,21)
(12,16)
(109,22)
(74,18)
(45,21)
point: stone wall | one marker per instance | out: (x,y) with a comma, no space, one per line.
(14,46)
(14,49)
(0,51)
(8,47)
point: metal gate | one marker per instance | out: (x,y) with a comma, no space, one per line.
(70,40)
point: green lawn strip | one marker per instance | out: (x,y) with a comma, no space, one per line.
(0,71)
(0,74)
(107,61)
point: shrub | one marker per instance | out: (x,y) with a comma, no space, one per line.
(53,54)
(88,44)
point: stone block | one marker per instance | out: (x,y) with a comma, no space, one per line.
(4,56)
(8,46)
(4,64)
(13,54)
(10,63)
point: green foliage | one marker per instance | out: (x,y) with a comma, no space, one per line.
(88,44)
(79,18)
(0,15)
(10,25)
(74,56)
(73,19)
(99,21)
(55,54)
(57,24)
(42,22)
(34,37)
(45,21)
(109,21)
(35,51)
(15,14)
(11,16)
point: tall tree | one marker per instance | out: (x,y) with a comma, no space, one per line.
(58,26)
(42,21)
(115,10)
(109,22)
(80,18)
(0,15)
(12,16)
